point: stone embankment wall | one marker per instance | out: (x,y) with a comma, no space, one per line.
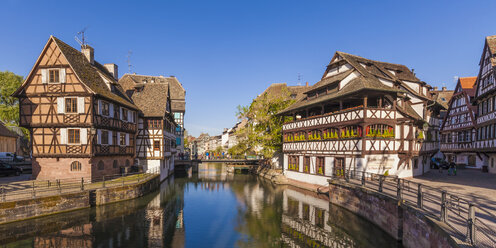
(42,206)
(405,223)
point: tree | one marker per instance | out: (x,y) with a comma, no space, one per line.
(263,132)
(9,105)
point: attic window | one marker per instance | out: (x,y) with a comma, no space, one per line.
(144,81)
(443,99)
(53,76)
(293,96)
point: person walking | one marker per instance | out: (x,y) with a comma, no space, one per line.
(451,168)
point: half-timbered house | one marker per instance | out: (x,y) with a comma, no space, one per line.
(458,128)
(485,100)
(81,122)
(155,139)
(362,115)
(177,98)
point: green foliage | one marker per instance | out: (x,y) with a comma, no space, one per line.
(9,106)
(263,132)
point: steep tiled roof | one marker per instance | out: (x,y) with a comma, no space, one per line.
(491,43)
(4,131)
(152,100)
(276,89)
(442,97)
(91,75)
(354,86)
(467,82)
(177,92)
(378,68)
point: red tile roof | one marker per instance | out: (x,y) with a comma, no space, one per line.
(467,82)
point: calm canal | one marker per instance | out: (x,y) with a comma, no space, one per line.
(208,209)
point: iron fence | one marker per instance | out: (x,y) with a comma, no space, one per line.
(34,189)
(469,222)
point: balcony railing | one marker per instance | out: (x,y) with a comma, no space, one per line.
(456,146)
(351,114)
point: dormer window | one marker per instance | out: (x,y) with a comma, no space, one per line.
(53,76)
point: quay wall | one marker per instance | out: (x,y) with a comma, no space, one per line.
(32,208)
(404,222)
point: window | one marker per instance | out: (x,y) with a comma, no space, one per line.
(115,164)
(122,139)
(306,211)
(320,169)
(156,145)
(293,164)
(71,105)
(306,164)
(105,137)
(73,136)
(178,141)
(351,132)
(319,217)
(154,124)
(53,76)
(76,166)
(331,133)
(105,108)
(380,130)
(101,165)
(124,114)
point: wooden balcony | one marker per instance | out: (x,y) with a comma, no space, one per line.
(346,115)
(114,124)
(456,146)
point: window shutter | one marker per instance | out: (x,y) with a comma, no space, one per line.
(80,105)
(100,107)
(111,110)
(44,76)
(127,139)
(60,105)
(118,138)
(84,135)
(63,136)
(99,137)
(129,116)
(110,137)
(120,113)
(62,75)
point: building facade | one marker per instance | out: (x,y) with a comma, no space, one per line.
(362,115)
(155,139)
(81,122)
(177,98)
(459,126)
(485,100)
(8,140)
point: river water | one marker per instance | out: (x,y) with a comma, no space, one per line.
(208,209)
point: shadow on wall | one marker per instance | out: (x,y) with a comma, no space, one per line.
(36,168)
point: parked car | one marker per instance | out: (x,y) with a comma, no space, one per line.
(7,169)
(436,162)
(10,157)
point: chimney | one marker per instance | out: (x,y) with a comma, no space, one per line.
(444,88)
(113,69)
(89,53)
(306,84)
(435,88)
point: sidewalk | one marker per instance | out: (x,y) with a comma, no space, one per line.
(470,184)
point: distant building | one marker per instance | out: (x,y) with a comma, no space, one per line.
(8,139)
(485,100)
(178,100)
(154,141)
(363,115)
(459,126)
(82,124)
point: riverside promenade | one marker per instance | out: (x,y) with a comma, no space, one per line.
(470,218)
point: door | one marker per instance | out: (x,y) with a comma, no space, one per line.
(339,167)
(472,160)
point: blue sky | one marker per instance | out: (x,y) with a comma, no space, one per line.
(227,52)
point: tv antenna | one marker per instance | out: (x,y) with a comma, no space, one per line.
(81,42)
(129,66)
(299,79)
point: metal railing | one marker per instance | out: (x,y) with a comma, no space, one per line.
(471,223)
(34,189)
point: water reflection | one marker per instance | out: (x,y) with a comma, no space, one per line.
(210,209)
